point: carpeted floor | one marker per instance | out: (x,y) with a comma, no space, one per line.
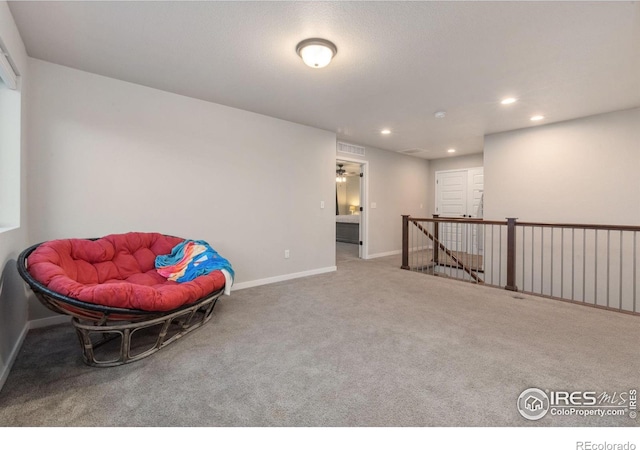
(368,345)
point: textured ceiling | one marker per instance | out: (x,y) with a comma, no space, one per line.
(397,63)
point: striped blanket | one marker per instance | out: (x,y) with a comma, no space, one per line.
(190,259)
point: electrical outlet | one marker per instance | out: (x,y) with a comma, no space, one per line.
(322,204)
(373,205)
(286,254)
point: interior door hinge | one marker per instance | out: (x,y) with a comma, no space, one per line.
(361,175)
(361,209)
(360,242)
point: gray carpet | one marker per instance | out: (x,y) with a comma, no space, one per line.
(368,345)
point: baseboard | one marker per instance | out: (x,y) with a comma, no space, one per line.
(58,319)
(380,255)
(289,276)
(48,321)
(12,356)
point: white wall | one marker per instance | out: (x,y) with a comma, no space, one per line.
(580,171)
(398,184)
(584,170)
(13,298)
(110,157)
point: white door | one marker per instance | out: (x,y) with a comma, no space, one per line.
(451,193)
(459,194)
(475,188)
(451,201)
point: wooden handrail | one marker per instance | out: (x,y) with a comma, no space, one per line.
(459,220)
(529,224)
(580,226)
(625,280)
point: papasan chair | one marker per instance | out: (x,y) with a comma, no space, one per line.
(152,287)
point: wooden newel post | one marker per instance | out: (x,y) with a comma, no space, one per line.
(436,238)
(511,255)
(405,243)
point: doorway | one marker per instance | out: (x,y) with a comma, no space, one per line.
(351,215)
(460,194)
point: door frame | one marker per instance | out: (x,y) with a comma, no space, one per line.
(363,250)
(462,242)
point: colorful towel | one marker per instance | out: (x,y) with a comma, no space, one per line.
(189,260)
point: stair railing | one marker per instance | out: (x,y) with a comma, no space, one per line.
(594,265)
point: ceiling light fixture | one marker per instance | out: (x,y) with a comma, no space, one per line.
(451,150)
(440,114)
(316,52)
(385,131)
(536,118)
(508,101)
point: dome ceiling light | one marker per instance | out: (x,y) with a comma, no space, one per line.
(316,52)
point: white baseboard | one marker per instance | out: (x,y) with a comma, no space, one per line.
(289,276)
(12,356)
(29,325)
(380,255)
(58,319)
(48,321)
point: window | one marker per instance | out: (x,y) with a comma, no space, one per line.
(10,120)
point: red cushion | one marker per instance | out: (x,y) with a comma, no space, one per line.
(117,271)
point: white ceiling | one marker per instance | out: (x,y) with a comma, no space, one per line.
(397,64)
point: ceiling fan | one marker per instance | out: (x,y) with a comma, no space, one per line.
(340,174)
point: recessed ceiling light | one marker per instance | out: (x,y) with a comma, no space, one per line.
(440,114)
(316,52)
(536,118)
(451,150)
(509,100)
(385,131)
